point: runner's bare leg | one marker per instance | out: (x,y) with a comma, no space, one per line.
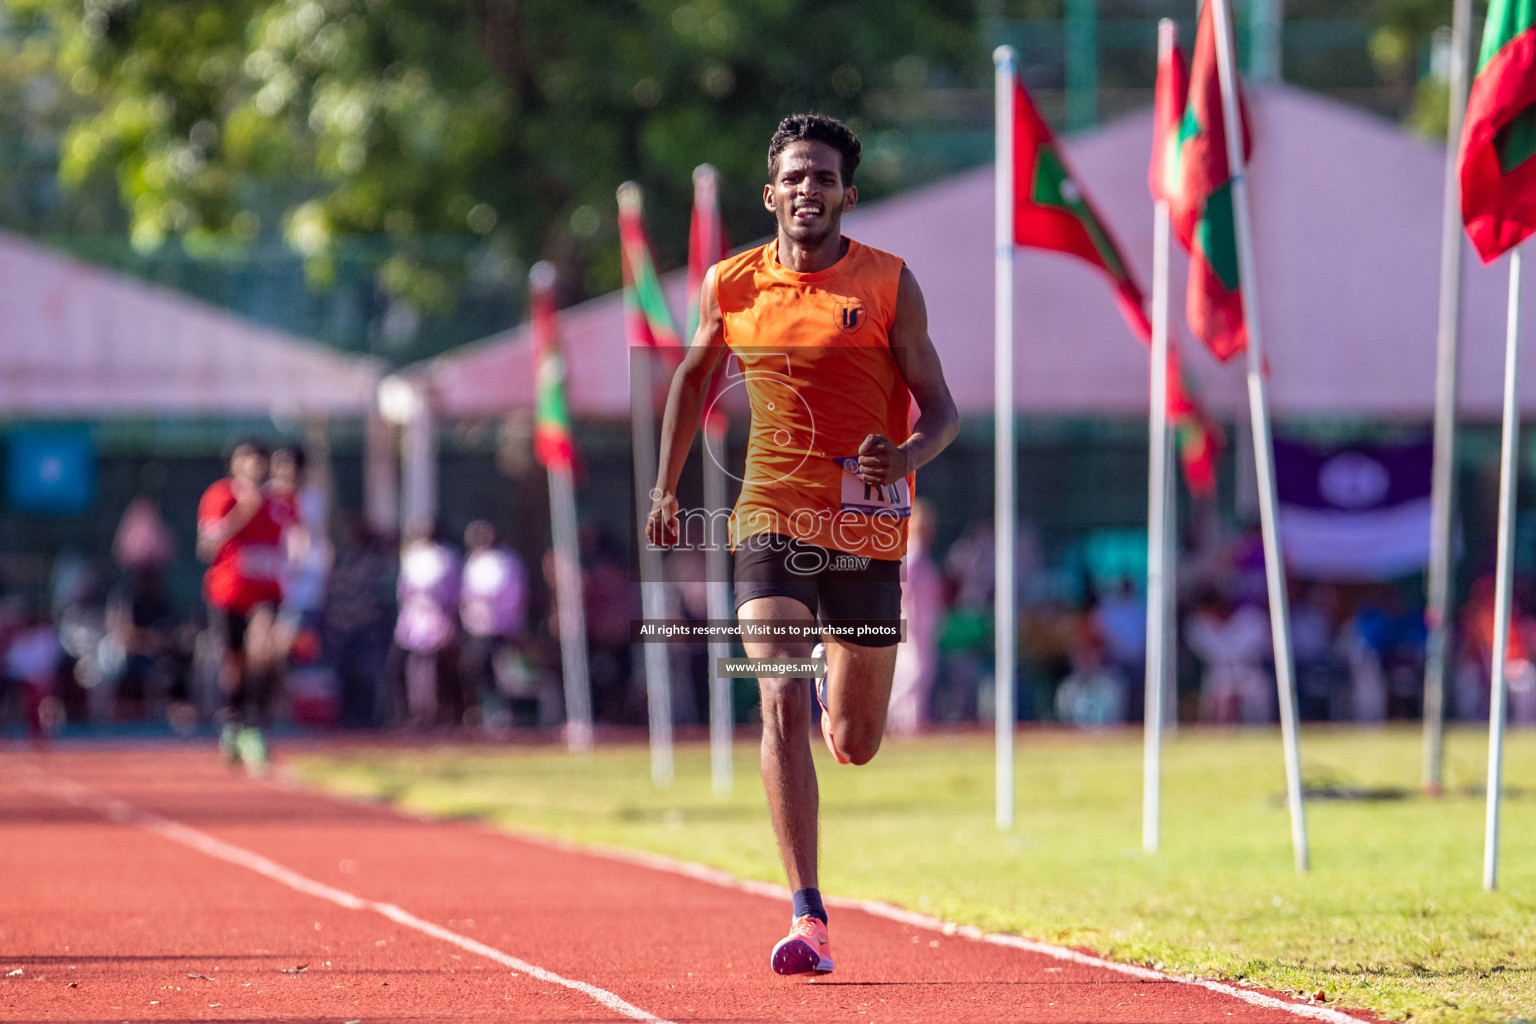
(789,774)
(858,696)
(858,693)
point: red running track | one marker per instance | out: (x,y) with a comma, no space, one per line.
(152,884)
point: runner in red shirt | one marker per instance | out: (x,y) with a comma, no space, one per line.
(240,533)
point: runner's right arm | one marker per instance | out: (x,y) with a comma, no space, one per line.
(685,408)
(214,531)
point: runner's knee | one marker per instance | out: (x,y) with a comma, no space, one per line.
(784,697)
(858,743)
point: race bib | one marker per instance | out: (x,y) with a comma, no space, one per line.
(893,499)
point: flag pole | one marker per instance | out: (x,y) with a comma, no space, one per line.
(706,183)
(1158,509)
(568,596)
(1437,614)
(653,588)
(1508,476)
(718,598)
(1263,451)
(1005,618)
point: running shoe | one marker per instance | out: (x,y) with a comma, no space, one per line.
(253,751)
(805,950)
(820,651)
(229,744)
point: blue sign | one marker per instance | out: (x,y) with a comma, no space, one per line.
(51,470)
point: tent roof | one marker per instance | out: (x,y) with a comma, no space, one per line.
(1347,223)
(78,340)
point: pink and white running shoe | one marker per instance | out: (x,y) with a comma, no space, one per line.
(805,950)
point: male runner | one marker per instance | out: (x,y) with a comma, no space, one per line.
(239,531)
(833,340)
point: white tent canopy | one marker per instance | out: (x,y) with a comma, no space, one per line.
(1347,224)
(77,340)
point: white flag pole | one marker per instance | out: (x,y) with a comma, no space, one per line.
(573,620)
(1005,619)
(568,596)
(718,597)
(653,587)
(1263,451)
(1437,614)
(1158,509)
(716,498)
(1508,475)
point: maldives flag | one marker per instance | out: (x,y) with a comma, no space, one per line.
(1051,211)
(1201,204)
(1167,114)
(1498,176)
(1199,438)
(646,317)
(552,443)
(706,247)
(706,238)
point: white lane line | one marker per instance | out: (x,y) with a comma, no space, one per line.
(126,814)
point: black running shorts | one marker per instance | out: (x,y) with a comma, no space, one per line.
(229,628)
(843,591)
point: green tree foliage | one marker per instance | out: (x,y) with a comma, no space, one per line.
(513,120)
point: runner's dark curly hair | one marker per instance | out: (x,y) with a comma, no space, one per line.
(815,128)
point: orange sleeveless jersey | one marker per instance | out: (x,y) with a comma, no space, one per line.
(820,377)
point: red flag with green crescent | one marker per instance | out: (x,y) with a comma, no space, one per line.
(647,320)
(1199,439)
(552,443)
(1201,205)
(1167,114)
(1051,210)
(707,246)
(1498,176)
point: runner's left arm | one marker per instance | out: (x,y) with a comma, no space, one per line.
(880,461)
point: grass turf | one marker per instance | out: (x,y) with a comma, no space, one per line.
(1392,918)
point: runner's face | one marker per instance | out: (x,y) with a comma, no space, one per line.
(807,194)
(284,472)
(248,464)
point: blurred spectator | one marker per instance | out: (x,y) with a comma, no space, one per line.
(139,623)
(687,574)
(493,605)
(360,606)
(611,600)
(1475,680)
(1121,619)
(307,547)
(93,656)
(309,683)
(426,632)
(1093,694)
(32,662)
(143,543)
(971,562)
(922,606)
(139,618)
(1232,646)
(1362,639)
(1385,647)
(1322,677)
